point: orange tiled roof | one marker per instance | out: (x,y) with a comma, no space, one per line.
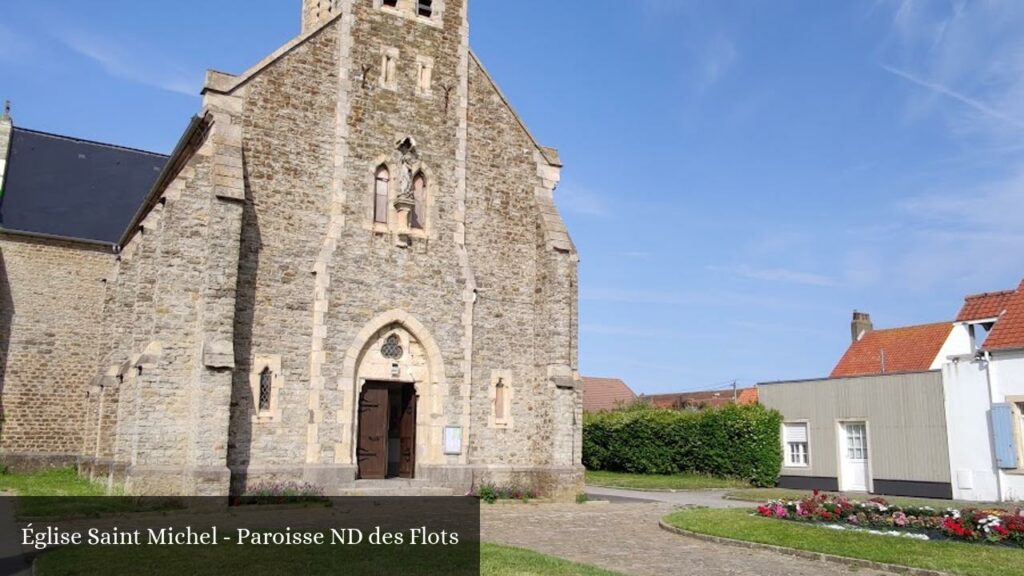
(984,306)
(747,396)
(605,394)
(909,349)
(1008,333)
(707,398)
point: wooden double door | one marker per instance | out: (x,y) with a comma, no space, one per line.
(387,431)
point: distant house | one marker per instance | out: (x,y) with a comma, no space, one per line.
(935,410)
(898,350)
(702,399)
(601,394)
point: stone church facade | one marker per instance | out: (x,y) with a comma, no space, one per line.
(351,269)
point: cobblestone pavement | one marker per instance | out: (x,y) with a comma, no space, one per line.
(626,538)
(706,498)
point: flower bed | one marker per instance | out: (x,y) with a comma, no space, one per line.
(969,525)
(491,493)
(281,493)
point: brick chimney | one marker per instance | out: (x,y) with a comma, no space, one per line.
(861,325)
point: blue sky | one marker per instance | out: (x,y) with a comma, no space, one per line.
(739,175)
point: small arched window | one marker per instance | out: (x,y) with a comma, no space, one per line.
(425,8)
(380,195)
(419,191)
(266,383)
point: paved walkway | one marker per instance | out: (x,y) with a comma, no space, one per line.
(625,537)
(705,498)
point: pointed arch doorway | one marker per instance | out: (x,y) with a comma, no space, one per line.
(394,360)
(387,431)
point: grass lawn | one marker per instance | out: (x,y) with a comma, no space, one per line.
(951,557)
(761,495)
(503,561)
(60,482)
(63,493)
(654,482)
(256,561)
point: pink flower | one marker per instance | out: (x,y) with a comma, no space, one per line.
(900,519)
(780,511)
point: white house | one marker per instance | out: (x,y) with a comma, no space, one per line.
(984,392)
(935,410)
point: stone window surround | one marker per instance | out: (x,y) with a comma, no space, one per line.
(392,225)
(427,63)
(388,53)
(407,9)
(505,377)
(259,364)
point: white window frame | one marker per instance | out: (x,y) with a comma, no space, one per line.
(788,461)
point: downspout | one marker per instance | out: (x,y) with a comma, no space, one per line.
(989,377)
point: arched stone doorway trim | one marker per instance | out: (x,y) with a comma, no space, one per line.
(430,384)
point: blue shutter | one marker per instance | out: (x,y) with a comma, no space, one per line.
(1003,437)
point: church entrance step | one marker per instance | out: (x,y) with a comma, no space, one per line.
(395,487)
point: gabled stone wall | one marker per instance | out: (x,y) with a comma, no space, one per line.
(262,254)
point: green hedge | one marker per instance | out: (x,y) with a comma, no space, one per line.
(732,442)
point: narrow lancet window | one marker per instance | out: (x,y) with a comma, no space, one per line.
(266,382)
(499,400)
(380,196)
(419,192)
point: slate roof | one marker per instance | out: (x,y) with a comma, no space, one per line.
(605,394)
(707,399)
(985,306)
(908,349)
(1008,333)
(74,188)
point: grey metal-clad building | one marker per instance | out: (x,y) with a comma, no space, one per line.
(890,428)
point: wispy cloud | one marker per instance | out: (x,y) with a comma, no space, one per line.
(613,330)
(137,64)
(720,56)
(578,200)
(784,275)
(13,46)
(962,226)
(636,255)
(974,103)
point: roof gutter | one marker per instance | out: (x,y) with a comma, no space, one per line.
(58,238)
(182,152)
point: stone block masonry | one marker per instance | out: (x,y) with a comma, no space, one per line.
(51,310)
(275,274)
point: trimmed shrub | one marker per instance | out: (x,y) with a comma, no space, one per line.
(732,442)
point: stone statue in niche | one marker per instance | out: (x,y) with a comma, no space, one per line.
(409,157)
(405,203)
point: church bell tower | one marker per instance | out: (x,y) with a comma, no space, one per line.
(316,12)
